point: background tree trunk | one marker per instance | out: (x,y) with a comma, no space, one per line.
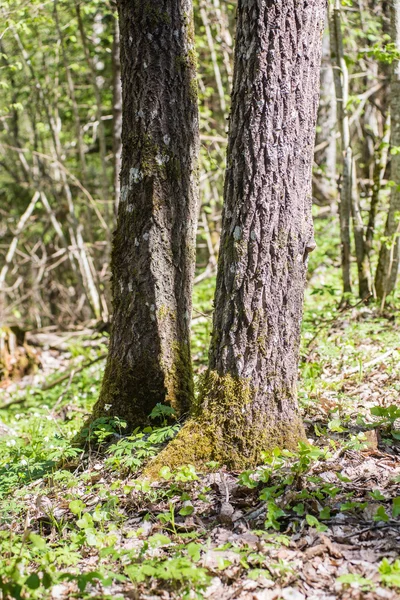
(154,245)
(249,400)
(324,181)
(388,265)
(349,197)
(117,115)
(341,88)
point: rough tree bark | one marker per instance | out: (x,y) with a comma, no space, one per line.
(153,252)
(388,265)
(248,400)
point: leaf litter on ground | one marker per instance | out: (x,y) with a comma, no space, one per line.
(321,524)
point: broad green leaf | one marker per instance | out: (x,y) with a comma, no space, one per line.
(76,506)
(396,507)
(194,551)
(38,541)
(33,581)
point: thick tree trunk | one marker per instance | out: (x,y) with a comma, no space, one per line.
(153,253)
(248,401)
(388,265)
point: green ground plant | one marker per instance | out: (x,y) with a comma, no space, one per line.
(45,477)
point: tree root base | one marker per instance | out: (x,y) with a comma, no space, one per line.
(218,437)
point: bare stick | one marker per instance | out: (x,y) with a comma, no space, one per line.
(13,246)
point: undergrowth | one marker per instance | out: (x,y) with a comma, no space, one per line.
(81,523)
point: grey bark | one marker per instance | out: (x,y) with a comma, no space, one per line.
(267,230)
(388,265)
(153,252)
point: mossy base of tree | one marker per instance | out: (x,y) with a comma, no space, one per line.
(227,429)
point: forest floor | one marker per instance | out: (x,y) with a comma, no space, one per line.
(320,524)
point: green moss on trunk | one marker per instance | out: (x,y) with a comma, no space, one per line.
(179,380)
(227,428)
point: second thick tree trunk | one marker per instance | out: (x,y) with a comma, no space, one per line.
(267,226)
(153,253)
(248,403)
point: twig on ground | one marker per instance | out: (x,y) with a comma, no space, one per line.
(366,529)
